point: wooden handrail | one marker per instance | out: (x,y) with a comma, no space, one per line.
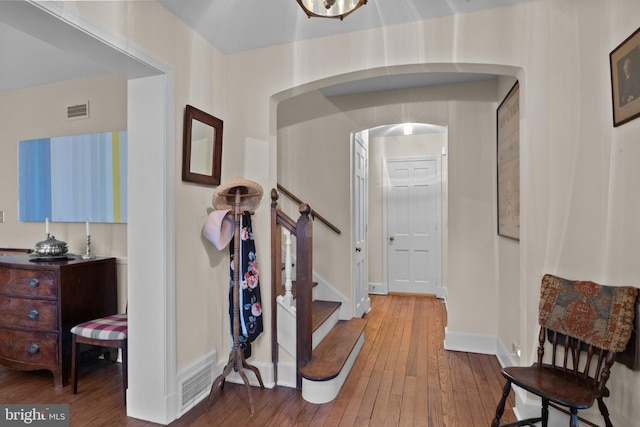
(314,214)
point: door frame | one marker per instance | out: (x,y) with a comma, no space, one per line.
(385,188)
(151,106)
(365,218)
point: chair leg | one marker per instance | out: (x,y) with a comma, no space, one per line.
(125,370)
(574,417)
(500,408)
(74,363)
(605,412)
(545,412)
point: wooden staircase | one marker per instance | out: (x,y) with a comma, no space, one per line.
(324,346)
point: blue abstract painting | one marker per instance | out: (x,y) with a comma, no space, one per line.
(73,178)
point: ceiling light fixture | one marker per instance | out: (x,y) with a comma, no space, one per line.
(407,129)
(336,9)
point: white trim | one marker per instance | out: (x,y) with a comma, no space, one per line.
(286,324)
(265,369)
(470,342)
(505,357)
(125,58)
(378,288)
(152,381)
(287,374)
(359,138)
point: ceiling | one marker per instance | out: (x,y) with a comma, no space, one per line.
(238,25)
(231,26)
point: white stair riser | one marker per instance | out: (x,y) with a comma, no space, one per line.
(319,392)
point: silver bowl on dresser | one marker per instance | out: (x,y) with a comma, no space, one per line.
(51,247)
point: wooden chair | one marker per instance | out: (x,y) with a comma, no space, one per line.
(109,331)
(585,324)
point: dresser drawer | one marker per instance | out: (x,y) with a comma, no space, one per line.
(34,314)
(39,348)
(28,283)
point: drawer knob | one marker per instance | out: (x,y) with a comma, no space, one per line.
(33,348)
(33,283)
(33,314)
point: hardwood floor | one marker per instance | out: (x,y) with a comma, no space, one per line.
(402,377)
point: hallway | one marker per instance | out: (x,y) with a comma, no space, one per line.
(402,377)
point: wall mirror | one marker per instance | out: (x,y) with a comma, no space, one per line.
(202,147)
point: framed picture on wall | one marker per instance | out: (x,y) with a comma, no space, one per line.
(624,61)
(508,163)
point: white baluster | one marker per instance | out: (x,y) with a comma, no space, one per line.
(288,284)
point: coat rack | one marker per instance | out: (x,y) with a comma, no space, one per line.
(237,190)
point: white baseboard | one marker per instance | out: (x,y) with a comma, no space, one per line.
(287,374)
(505,357)
(265,369)
(470,342)
(194,381)
(379,288)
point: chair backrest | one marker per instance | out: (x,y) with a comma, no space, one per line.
(586,324)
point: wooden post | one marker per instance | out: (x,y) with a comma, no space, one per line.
(276,279)
(304,289)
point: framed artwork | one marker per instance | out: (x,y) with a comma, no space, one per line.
(201,147)
(73,178)
(624,61)
(508,164)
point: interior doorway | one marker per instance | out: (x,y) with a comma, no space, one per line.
(427,141)
(412,224)
(151,383)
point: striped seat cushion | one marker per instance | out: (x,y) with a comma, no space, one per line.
(106,328)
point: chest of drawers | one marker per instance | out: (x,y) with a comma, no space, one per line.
(41,301)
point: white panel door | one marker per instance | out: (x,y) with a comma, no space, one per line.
(362,303)
(413,225)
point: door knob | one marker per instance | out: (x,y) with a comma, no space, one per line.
(392,238)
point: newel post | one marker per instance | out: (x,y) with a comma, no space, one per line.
(276,279)
(304,288)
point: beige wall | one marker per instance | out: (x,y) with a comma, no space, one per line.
(313,142)
(579,204)
(41,112)
(201,271)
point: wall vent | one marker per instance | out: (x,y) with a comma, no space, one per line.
(195,384)
(78,111)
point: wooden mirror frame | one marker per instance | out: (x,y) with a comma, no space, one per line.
(191,113)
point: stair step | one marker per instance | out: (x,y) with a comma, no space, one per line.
(332,353)
(321,311)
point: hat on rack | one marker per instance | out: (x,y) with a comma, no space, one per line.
(219,228)
(250,194)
